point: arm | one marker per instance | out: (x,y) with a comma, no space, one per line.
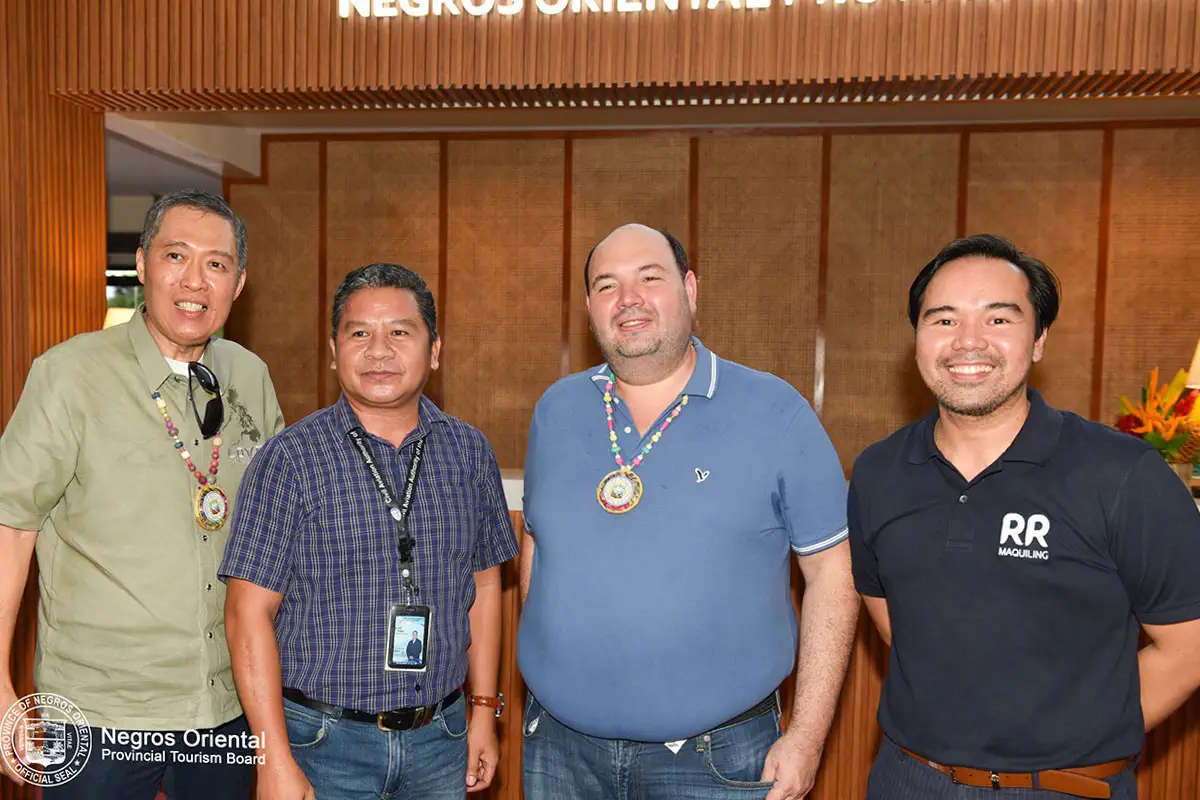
(877,608)
(828,615)
(16,551)
(526,563)
(483,676)
(250,627)
(1169,668)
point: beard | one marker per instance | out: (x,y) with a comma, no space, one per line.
(642,359)
(967,402)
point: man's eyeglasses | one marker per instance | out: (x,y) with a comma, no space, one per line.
(214,410)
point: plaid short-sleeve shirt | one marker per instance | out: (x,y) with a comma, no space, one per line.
(311,525)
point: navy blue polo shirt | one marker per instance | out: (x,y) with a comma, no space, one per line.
(1015,598)
(662,622)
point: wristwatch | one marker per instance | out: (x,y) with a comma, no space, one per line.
(496,702)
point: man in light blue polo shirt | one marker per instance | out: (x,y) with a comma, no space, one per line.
(665,491)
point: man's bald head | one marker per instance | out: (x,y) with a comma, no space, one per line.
(678,253)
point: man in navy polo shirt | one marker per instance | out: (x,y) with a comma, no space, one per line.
(1011,553)
(665,492)
(378,516)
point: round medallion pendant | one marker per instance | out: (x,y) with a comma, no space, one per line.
(619,491)
(212,507)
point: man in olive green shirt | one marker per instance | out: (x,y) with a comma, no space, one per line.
(119,467)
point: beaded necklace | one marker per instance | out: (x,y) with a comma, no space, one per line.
(620,490)
(211,506)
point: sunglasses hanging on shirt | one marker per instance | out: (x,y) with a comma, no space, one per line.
(214,410)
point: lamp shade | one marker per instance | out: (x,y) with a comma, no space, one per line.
(1193,380)
(116,316)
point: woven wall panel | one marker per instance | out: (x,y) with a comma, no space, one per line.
(504,285)
(299,53)
(1153,279)
(759,231)
(382,206)
(892,206)
(279,314)
(614,182)
(1042,191)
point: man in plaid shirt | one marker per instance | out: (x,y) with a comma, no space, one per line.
(332,568)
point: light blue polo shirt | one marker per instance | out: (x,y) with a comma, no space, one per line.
(663,622)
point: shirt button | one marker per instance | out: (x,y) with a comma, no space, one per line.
(212,682)
(210,634)
(208,587)
(204,538)
(962,498)
(628,429)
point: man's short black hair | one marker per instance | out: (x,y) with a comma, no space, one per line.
(1043,283)
(386,276)
(677,251)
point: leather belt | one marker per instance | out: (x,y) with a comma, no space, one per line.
(1076,781)
(764,705)
(401,719)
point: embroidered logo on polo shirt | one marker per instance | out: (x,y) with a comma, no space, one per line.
(1025,537)
(701,475)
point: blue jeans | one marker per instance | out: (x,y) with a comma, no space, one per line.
(559,763)
(896,775)
(346,759)
(184,771)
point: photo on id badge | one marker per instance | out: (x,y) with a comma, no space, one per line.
(408,638)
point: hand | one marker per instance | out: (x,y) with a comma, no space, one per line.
(792,765)
(282,779)
(8,757)
(483,750)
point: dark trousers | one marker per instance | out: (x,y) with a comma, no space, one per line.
(117,771)
(898,776)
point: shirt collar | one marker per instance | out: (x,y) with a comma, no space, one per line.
(428,415)
(1034,444)
(702,383)
(154,364)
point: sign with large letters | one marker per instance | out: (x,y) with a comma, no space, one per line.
(479,8)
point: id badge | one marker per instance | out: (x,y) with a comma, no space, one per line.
(409,638)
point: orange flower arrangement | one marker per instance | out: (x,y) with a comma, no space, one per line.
(1168,418)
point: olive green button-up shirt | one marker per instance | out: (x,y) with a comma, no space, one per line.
(131,621)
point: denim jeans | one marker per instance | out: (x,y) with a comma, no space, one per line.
(559,763)
(183,770)
(350,760)
(898,776)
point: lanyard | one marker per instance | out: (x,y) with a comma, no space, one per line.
(397,511)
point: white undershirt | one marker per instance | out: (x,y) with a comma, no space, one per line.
(178,367)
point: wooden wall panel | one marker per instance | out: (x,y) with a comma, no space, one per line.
(615,182)
(52,243)
(1153,299)
(819,50)
(283,276)
(1042,191)
(504,285)
(893,202)
(382,206)
(759,237)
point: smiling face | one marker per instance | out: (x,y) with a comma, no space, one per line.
(975,335)
(191,277)
(382,349)
(639,306)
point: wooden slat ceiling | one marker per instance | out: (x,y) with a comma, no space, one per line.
(160,55)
